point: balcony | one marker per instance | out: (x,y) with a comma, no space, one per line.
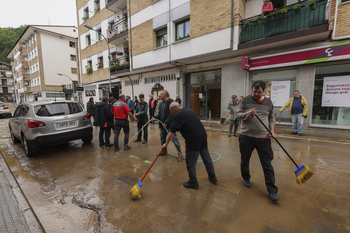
(115,5)
(118,33)
(120,65)
(25,65)
(292,24)
(23,51)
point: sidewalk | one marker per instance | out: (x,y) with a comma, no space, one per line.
(285,130)
(16,214)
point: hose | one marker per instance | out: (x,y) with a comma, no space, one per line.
(175,146)
(214,129)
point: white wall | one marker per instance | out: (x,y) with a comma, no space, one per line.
(56,59)
(152,57)
(68,31)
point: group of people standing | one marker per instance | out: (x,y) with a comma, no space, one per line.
(172,117)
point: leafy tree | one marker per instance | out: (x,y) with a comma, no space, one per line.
(8,37)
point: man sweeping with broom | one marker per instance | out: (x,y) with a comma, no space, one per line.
(187,122)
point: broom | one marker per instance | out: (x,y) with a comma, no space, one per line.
(302,173)
(135,192)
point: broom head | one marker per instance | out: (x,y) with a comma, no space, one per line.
(303,174)
(135,192)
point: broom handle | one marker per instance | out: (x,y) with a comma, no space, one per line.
(277,141)
(279,124)
(151,165)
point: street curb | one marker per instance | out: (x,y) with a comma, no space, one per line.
(3,161)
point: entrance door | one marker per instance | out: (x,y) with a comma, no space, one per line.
(199,100)
(214,102)
(195,101)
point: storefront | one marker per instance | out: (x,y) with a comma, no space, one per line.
(321,74)
(203,93)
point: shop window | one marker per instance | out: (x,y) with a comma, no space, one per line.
(182,30)
(74,70)
(162,37)
(71,44)
(331,105)
(73,57)
(280,86)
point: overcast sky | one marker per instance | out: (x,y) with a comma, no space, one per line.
(38,12)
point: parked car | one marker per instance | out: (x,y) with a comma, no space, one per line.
(46,123)
(4,110)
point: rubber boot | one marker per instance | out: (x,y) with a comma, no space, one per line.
(230,130)
(179,156)
(235,131)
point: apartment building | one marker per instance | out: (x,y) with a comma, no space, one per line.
(38,56)
(7,89)
(206,51)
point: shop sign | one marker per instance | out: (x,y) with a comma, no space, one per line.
(336,91)
(337,51)
(90,93)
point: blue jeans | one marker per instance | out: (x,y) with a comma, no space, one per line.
(297,119)
(163,135)
(191,161)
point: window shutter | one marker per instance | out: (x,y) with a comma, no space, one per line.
(162,32)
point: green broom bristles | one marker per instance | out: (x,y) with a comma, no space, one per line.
(303,174)
(135,192)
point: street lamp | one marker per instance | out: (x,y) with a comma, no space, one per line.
(70,80)
(109,56)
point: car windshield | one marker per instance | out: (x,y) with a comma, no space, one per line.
(57,109)
(2,105)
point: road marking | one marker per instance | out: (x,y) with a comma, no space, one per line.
(311,139)
(147,161)
(134,157)
(227,189)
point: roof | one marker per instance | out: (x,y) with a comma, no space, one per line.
(4,63)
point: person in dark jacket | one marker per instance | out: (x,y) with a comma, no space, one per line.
(104,119)
(111,99)
(90,107)
(178,99)
(167,119)
(141,114)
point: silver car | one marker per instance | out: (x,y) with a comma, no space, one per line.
(46,123)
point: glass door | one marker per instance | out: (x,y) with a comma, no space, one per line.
(199,100)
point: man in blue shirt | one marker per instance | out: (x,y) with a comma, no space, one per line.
(130,105)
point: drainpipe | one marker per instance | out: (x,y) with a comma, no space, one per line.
(130,41)
(37,49)
(335,25)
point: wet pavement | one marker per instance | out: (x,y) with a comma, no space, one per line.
(78,187)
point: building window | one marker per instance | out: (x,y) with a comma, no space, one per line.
(89,64)
(114,56)
(99,31)
(162,37)
(73,57)
(88,40)
(74,70)
(71,44)
(182,30)
(100,62)
(97,5)
(134,82)
(86,13)
(345,1)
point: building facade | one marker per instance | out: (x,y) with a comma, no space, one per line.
(206,51)
(7,89)
(40,53)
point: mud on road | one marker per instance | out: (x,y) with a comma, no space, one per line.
(78,188)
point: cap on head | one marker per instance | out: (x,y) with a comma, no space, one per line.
(141,96)
(233,97)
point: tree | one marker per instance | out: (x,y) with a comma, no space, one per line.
(8,38)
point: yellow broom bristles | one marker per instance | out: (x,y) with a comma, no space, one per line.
(135,192)
(304,175)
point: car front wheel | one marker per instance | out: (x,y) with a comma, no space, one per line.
(30,151)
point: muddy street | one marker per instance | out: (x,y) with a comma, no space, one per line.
(80,187)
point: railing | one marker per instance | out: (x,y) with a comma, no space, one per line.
(120,64)
(117,28)
(281,23)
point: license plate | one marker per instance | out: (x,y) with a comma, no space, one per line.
(66,124)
